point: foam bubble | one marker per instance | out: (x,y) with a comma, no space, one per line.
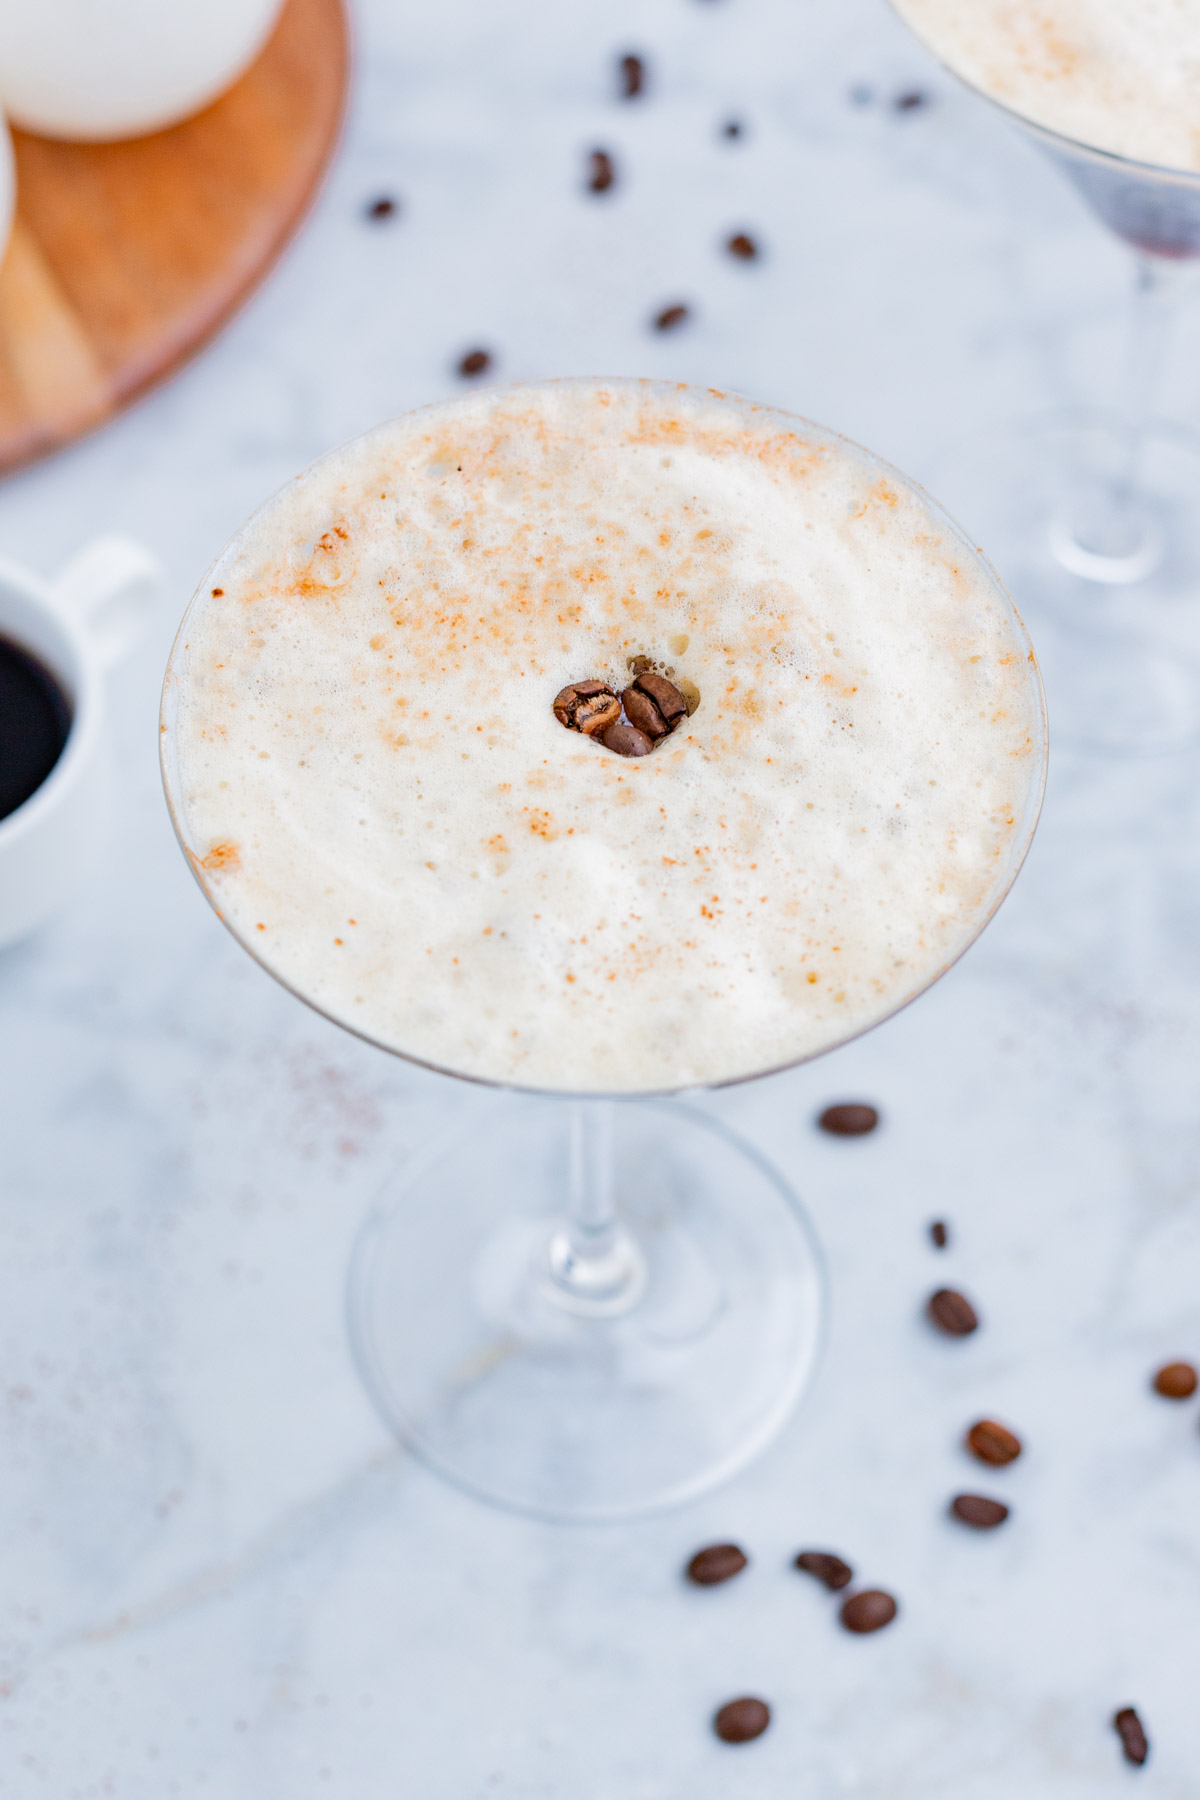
(382,805)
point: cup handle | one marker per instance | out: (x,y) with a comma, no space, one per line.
(110,588)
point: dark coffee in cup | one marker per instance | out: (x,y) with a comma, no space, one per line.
(35,719)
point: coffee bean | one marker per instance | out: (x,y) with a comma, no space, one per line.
(826,1567)
(993,1443)
(1175,1381)
(641,711)
(910,101)
(587,706)
(976,1510)
(475,362)
(633,77)
(716,1563)
(743,246)
(652,703)
(869,1611)
(849,1118)
(952,1313)
(670,317)
(732,128)
(1131,1732)
(383,208)
(627,740)
(740,1720)
(939,1234)
(603,173)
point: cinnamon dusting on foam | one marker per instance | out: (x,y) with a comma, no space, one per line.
(365,721)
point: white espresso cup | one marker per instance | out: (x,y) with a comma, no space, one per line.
(77,627)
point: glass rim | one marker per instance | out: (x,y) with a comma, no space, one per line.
(1018,851)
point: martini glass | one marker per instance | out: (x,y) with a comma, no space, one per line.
(592,1306)
(1091,515)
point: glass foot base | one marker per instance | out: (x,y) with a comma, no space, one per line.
(1112,602)
(478,1362)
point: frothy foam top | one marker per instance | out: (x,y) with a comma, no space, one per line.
(1118,75)
(381,803)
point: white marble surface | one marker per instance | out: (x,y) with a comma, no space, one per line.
(217,1577)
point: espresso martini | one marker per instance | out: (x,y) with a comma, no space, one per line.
(394,764)
(1118,75)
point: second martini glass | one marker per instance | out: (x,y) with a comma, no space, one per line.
(1091,516)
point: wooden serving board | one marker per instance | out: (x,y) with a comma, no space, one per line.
(126,258)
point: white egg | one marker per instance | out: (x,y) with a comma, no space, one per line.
(97,69)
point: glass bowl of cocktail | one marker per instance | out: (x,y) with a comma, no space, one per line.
(1091,514)
(598,741)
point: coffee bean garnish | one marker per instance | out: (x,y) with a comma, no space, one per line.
(716,1563)
(1175,1381)
(939,1234)
(627,740)
(383,208)
(633,77)
(1131,1732)
(978,1511)
(910,101)
(475,362)
(952,1313)
(603,172)
(743,246)
(826,1567)
(740,1720)
(671,317)
(587,706)
(654,704)
(869,1611)
(993,1443)
(849,1118)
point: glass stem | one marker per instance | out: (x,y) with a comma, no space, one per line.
(1150,318)
(1107,530)
(595,1265)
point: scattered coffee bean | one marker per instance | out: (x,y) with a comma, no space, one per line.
(383,208)
(993,1443)
(910,101)
(939,1234)
(1131,1732)
(716,1563)
(475,362)
(627,740)
(670,317)
(1175,1381)
(732,128)
(849,1118)
(742,246)
(869,1611)
(740,1720)
(826,1567)
(587,706)
(603,172)
(952,1313)
(633,77)
(976,1510)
